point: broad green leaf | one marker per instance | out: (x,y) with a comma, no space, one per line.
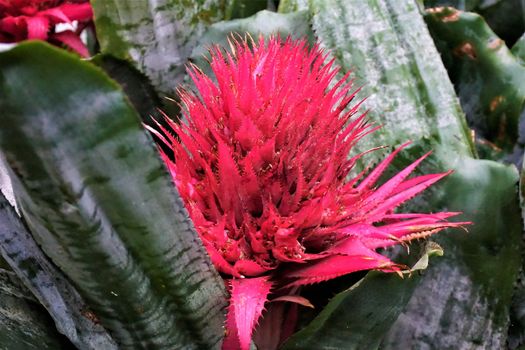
(489,80)
(400,74)
(157,36)
(48,284)
(99,201)
(137,87)
(24,324)
(387,46)
(359,317)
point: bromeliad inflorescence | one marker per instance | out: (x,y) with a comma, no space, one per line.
(263,167)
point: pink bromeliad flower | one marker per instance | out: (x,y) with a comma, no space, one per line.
(36,19)
(264,170)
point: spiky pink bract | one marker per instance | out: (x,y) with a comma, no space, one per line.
(262,166)
(36,19)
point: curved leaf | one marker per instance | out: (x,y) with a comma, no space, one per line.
(23,323)
(51,288)
(99,201)
(463,300)
(135,84)
(518,50)
(359,317)
(398,68)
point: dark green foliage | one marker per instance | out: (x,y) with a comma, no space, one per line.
(24,324)
(518,50)
(48,284)
(98,200)
(136,86)
(246,8)
(378,298)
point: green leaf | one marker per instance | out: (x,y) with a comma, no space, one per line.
(503,16)
(24,324)
(358,317)
(99,201)
(387,46)
(157,36)
(286,6)
(464,5)
(263,23)
(244,8)
(463,300)
(48,284)
(403,79)
(517,328)
(137,87)
(489,80)
(518,50)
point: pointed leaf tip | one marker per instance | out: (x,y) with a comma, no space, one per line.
(248,296)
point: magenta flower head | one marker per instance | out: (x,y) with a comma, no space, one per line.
(36,19)
(263,167)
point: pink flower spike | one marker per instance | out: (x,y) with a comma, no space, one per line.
(248,296)
(263,167)
(339,265)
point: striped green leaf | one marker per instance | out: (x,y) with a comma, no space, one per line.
(99,201)
(157,36)
(24,324)
(48,284)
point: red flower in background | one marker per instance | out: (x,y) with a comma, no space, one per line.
(264,170)
(36,19)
